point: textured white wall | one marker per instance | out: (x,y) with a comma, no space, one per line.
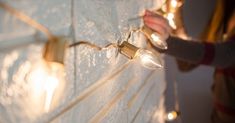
(100,86)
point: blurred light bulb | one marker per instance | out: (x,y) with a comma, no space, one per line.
(45,78)
(156,41)
(174,3)
(48,74)
(52,81)
(172,115)
(170,17)
(145,57)
(148,59)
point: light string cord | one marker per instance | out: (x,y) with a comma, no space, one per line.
(28,20)
(99,48)
(94,46)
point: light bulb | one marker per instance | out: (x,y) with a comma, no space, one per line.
(172,115)
(174,3)
(148,59)
(155,38)
(145,57)
(44,78)
(171,19)
(47,75)
(54,78)
(157,41)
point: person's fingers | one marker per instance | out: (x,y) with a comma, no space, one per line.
(153,14)
(159,29)
(159,21)
(147,12)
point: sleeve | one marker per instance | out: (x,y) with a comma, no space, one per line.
(218,55)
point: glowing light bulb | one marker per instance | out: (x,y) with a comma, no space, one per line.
(156,41)
(148,59)
(45,77)
(174,3)
(155,38)
(170,17)
(145,57)
(52,81)
(172,115)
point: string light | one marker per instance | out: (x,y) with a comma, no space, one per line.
(169,11)
(174,3)
(172,115)
(49,73)
(171,19)
(145,57)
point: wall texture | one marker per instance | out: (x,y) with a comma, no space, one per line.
(100,86)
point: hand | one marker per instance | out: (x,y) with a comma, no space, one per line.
(157,23)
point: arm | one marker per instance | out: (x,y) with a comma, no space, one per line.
(219,55)
(189,51)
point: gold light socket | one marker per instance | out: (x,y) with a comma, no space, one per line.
(54,51)
(128,49)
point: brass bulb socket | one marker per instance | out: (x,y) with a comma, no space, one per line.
(128,49)
(54,51)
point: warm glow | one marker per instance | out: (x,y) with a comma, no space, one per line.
(172,115)
(44,78)
(170,17)
(50,86)
(148,59)
(174,3)
(156,41)
(37,79)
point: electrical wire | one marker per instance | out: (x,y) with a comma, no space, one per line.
(94,46)
(28,20)
(99,48)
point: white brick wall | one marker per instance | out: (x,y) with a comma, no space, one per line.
(100,86)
